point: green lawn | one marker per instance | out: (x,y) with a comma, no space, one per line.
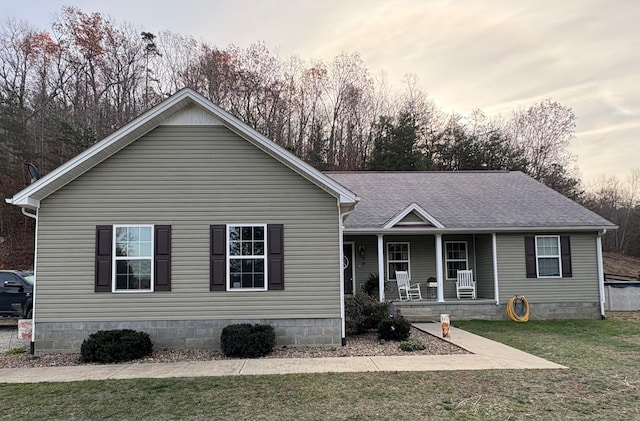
(602,383)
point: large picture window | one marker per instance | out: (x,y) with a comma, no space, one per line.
(133,258)
(456,258)
(247,256)
(548,256)
(397,259)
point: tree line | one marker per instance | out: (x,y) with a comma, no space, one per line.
(64,88)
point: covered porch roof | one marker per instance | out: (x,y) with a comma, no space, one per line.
(461,201)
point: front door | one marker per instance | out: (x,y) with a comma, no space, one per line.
(347,267)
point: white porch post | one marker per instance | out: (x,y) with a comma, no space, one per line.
(381,267)
(439,271)
(494,247)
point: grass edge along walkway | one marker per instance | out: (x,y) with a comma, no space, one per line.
(602,382)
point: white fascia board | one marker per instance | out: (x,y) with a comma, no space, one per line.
(414,207)
(298,165)
(23,197)
(418,231)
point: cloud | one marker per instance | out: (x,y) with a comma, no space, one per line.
(467,54)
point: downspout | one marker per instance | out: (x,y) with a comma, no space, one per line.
(600,271)
(32,344)
(494,247)
(341,216)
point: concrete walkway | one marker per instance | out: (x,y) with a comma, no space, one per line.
(487,355)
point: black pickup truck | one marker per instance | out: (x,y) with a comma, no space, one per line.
(16,294)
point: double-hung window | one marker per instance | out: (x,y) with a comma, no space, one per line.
(456,258)
(548,256)
(133,257)
(247,257)
(548,259)
(397,259)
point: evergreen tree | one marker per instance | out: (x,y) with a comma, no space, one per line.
(395,145)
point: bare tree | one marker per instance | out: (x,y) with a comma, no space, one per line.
(544,131)
(619,202)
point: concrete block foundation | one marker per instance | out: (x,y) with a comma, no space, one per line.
(65,337)
(424,311)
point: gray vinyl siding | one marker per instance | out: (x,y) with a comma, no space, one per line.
(189,177)
(581,287)
(484,266)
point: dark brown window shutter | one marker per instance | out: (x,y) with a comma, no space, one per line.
(275,254)
(104,238)
(162,258)
(530,256)
(218,251)
(565,254)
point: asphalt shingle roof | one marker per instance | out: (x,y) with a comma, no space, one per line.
(464,199)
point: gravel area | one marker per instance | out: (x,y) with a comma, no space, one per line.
(9,336)
(623,315)
(362,345)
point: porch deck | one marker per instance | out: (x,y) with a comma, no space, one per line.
(430,310)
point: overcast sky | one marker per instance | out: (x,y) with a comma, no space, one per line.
(490,54)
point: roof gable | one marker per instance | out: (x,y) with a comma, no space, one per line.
(413,216)
(186,107)
(192,115)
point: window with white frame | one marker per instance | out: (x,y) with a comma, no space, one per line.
(456,258)
(397,259)
(247,257)
(133,257)
(548,256)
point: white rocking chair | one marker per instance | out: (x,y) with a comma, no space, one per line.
(406,291)
(465,285)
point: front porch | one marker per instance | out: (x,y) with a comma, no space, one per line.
(432,261)
(430,311)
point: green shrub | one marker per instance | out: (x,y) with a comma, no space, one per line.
(396,329)
(247,341)
(372,285)
(412,345)
(363,312)
(109,346)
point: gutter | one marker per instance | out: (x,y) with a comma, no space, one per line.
(600,271)
(471,230)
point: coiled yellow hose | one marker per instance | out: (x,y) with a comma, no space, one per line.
(511,309)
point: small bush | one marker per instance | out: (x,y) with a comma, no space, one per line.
(16,351)
(412,345)
(109,346)
(247,341)
(363,313)
(372,285)
(396,329)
